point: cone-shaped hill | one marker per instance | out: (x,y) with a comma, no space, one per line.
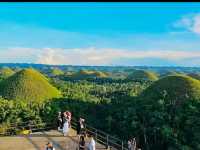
(174,88)
(194,75)
(171,106)
(28,84)
(56,72)
(85,74)
(6,72)
(143,75)
(171,73)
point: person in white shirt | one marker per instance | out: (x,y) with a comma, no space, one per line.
(130,144)
(91,145)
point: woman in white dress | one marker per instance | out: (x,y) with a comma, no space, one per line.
(65,125)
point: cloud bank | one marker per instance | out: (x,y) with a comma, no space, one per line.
(94,56)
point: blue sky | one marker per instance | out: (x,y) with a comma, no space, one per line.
(159,34)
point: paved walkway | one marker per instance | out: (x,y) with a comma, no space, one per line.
(38,140)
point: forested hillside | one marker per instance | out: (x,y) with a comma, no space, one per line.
(161,110)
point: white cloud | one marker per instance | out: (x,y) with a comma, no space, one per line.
(93,56)
(190,22)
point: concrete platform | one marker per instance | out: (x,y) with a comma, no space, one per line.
(38,140)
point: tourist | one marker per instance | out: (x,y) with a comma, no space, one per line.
(134,146)
(81,126)
(91,145)
(66,124)
(49,146)
(69,114)
(62,117)
(82,143)
(59,121)
(129,144)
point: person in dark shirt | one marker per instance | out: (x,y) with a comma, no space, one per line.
(80,126)
(82,143)
(59,121)
(62,118)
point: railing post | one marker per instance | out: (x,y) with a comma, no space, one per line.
(96,135)
(122,145)
(107,141)
(30,123)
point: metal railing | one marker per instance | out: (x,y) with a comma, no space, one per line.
(14,128)
(103,138)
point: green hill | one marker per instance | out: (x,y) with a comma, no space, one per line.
(100,74)
(86,74)
(6,72)
(143,75)
(178,88)
(56,72)
(28,84)
(194,75)
(169,109)
(171,73)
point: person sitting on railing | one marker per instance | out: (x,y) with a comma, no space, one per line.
(59,121)
(82,143)
(81,126)
(49,146)
(91,144)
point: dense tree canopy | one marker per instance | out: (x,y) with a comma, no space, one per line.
(161,114)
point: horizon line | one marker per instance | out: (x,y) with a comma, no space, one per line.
(103,65)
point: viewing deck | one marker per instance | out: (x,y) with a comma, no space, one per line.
(38,140)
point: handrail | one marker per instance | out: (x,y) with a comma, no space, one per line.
(103,137)
(14,127)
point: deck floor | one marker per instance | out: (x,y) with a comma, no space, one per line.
(38,140)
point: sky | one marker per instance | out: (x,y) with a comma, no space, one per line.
(125,34)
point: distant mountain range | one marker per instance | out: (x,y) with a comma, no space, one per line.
(158,69)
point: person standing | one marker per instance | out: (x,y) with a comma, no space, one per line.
(134,146)
(82,143)
(62,117)
(65,125)
(69,114)
(80,126)
(129,144)
(91,145)
(59,121)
